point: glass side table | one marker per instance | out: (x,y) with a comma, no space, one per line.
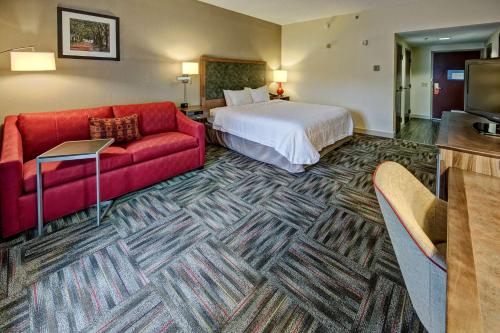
(69,151)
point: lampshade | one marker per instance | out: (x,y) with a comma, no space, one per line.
(279,76)
(190,68)
(32,61)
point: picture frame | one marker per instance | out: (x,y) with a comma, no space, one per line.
(86,35)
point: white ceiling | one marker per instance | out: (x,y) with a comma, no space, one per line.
(458,35)
(291,11)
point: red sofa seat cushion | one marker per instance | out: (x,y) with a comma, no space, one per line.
(153,117)
(45,130)
(156,145)
(56,173)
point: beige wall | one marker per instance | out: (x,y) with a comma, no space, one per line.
(421,75)
(343,74)
(156,35)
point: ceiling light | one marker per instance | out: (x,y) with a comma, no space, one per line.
(444,38)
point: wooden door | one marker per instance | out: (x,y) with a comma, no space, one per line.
(399,85)
(448,83)
(407,85)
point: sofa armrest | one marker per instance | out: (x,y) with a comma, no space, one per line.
(11,173)
(193,128)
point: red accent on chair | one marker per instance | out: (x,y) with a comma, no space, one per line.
(55,173)
(153,117)
(45,130)
(156,145)
(192,128)
(11,176)
(174,144)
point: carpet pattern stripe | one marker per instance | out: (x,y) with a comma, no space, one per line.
(240,246)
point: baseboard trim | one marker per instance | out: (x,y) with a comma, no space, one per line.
(419,116)
(375,133)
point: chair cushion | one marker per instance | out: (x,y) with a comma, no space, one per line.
(44,130)
(56,173)
(153,117)
(156,145)
(122,129)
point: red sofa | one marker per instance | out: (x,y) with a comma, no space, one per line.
(171,144)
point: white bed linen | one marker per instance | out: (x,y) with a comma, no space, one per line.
(298,131)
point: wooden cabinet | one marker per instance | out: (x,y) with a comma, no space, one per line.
(461,146)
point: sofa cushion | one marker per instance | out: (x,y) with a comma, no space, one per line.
(122,129)
(44,130)
(56,173)
(156,145)
(153,117)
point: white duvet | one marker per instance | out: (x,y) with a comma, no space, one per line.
(298,131)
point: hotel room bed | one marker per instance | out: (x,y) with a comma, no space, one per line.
(286,134)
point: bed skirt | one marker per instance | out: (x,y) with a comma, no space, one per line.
(258,151)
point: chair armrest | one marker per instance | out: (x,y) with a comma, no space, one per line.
(11,171)
(193,128)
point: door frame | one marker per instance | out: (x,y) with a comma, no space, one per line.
(395,87)
(431,90)
(407,79)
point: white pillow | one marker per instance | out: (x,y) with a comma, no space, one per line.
(260,94)
(226,97)
(238,97)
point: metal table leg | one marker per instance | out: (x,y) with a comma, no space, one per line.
(39,196)
(98,188)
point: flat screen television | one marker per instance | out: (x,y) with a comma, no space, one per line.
(482,88)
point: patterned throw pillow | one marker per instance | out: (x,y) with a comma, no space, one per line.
(122,129)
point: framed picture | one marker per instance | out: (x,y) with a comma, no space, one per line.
(84,35)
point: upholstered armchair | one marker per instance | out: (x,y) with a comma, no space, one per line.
(416,222)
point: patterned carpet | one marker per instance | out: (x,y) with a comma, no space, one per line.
(239,246)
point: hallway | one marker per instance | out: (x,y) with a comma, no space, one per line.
(423,131)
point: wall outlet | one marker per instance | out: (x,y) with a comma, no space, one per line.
(376,68)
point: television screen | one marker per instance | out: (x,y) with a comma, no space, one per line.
(482,88)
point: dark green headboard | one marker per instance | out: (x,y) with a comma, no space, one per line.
(217,74)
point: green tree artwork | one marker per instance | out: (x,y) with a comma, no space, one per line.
(89,36)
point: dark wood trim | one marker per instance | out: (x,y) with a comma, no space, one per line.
(59,34)
(241,61)
(210,104)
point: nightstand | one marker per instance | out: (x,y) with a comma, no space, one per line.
(274,96)
(196,113)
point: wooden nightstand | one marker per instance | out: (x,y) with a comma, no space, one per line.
(274,96)
(196,113)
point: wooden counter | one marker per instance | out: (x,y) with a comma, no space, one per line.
(461,146)
(473,252)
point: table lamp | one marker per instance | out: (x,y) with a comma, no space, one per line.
(280,76)
(31,61)
(188,69)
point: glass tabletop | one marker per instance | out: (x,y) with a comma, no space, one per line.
(77,148)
